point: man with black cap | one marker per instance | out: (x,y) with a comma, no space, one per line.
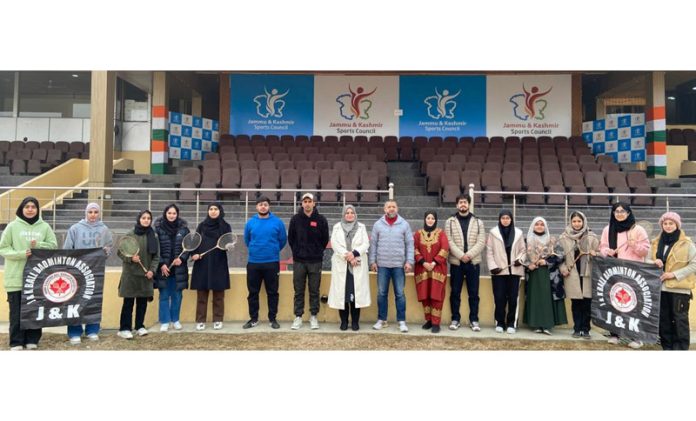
(308,236)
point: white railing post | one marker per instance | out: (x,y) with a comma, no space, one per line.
(198,206)
(149,200)
(514,208)
(246,205)
(565,209)
(667,203)
(391,191)
(54,211)
(471,196)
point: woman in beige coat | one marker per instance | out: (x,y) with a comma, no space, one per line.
(579,243)
(505,253)
(350,281)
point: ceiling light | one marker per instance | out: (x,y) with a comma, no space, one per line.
(671,98)
(75,75)
(694,88)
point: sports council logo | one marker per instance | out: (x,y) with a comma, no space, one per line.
(529,105)
(623,297)
(59,287)
(270,104)
(355,104)
(441,105)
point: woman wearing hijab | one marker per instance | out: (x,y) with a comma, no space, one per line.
(544,299)
(505,253)
(675,254)
(89,233)
(350,281)
(211,272)
(623,239)
(28,231)
(172,276)
(430,272)
(576,268)
(135,286)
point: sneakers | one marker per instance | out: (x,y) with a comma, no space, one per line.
(475,326)
(635,344)
(177,325)
(435,329)
(614,340)
(17,348)
(381,324)
(217,325)
(546,332)
(313,323)
(578,334)
(164,327)
(511,330)
(402,327)
(75,340)
(274,324)
(427,325)
(31,347)
(125,334)
(499,329)
(586,335)
(200,326)
(93,337)
(538,330)
(297,323)
(250,324)
(142,331)
(454,325)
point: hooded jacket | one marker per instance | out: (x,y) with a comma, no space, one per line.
(308,236)
(15,241)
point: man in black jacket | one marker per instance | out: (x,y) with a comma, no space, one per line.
(308,236)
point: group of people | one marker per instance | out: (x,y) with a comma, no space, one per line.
(553,269)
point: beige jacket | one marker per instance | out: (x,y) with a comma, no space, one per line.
(476,240)
(496,257)
(572,281)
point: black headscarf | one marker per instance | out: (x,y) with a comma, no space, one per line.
(616,227)
(508,233)
(426,228)
(170,228)
(666,240)
(20,210)
(141,230)
(214,224)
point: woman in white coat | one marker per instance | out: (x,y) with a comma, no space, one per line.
(350,281)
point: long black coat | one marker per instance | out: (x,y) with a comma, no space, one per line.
(211,272)
(170,247)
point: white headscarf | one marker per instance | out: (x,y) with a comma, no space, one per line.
(533,237)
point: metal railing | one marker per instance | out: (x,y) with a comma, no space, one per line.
(515,194)
(104,195)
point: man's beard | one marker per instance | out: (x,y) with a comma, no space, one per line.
(263,213)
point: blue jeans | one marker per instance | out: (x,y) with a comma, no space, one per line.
(76,331)
(399,278)
(169,302)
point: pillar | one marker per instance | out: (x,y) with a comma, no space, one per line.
(656,125)
(158,147)
(196,104)
(101,162)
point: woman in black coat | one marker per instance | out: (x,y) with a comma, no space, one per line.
(211,272)
(172,274)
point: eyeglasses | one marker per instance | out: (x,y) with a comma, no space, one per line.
(620,212)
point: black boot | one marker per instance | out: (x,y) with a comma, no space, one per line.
(427,325)
(355,317)
(436,329)
(344,319)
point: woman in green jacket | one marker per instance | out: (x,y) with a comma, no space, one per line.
(26,232)
(137,286)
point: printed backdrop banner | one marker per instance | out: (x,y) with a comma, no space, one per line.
(271,104)
(356,105)
(528,105)
(621,136)
(626,297)
(62,287)
(191,137)
(443,105)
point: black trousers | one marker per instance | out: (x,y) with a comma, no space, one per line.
(19,336)
(258,273)
(354,313)
(506,289)
(674,321)
(582,314)
(303,273)
(471,273)
(127,313)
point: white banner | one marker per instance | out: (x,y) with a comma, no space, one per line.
(528,105)
(356,105)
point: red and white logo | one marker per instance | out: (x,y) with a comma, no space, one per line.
(623,297)
(59,287)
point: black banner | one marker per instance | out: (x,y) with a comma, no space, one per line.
(626,297)
(63,287)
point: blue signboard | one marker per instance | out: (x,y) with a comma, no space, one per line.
(442,105)
(271,104)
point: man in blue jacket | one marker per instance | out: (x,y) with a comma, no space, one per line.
(265,237)
(391,256)
(308,236)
